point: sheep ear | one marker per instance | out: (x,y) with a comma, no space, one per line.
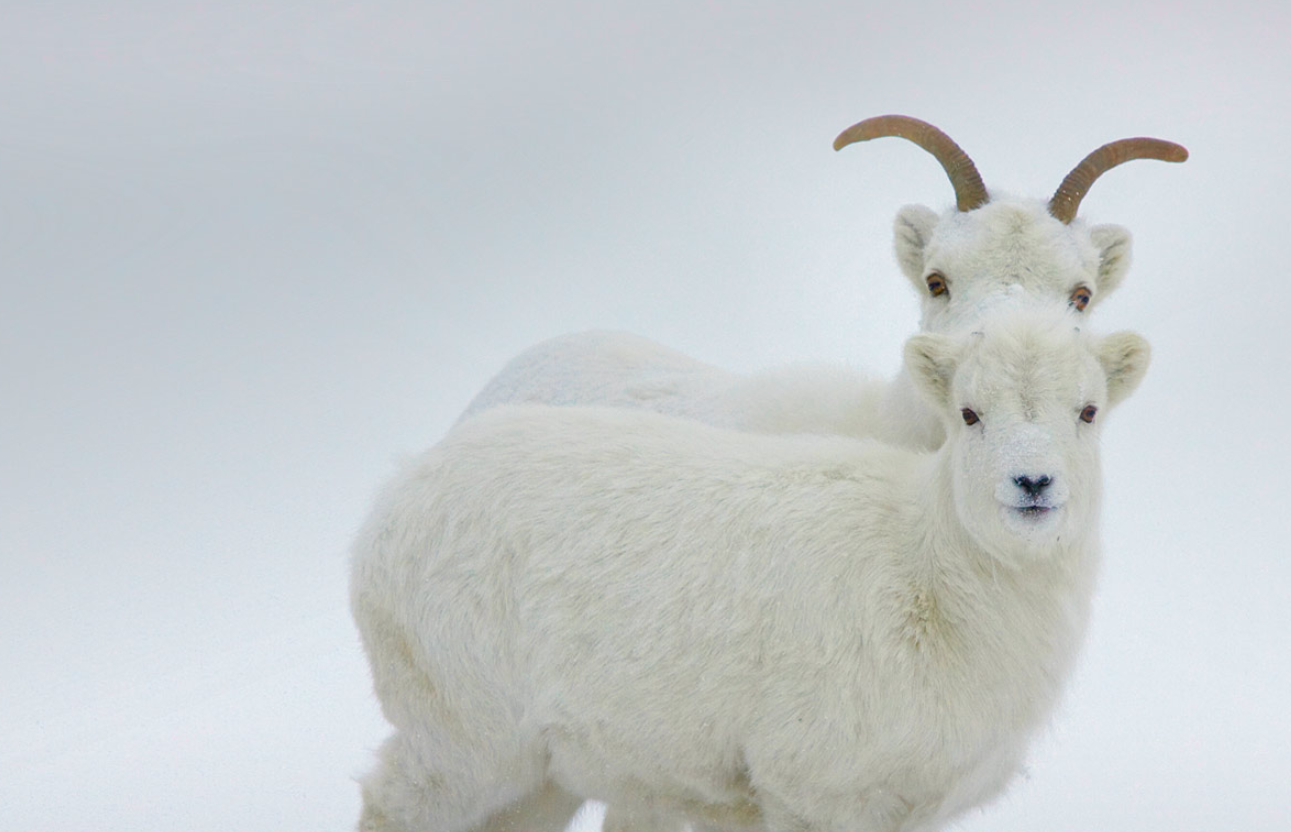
(912,230)
(1113,244)
(1125,357)
(931,359)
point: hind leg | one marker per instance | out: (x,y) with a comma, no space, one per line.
(621,818)
(546,809)
(455,792)
(448,769)
(457,756)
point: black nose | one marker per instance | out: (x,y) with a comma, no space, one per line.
(1033,487)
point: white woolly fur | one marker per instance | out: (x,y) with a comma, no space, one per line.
(724,628)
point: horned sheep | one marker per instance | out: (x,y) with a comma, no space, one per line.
(749,631)
(988,251)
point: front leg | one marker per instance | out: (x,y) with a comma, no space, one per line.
(873,810)
(621,817)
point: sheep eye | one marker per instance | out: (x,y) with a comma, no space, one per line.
(937,285)
(1080,298)
(970,418)
(1087,415)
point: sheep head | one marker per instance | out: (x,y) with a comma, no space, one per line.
(994,249)
(1022,402)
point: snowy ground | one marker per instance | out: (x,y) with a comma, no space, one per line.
(250,256)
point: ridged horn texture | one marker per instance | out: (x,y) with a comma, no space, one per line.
(970,193)
(1066,200)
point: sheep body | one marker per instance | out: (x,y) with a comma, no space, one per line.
(781,632)
(618,369)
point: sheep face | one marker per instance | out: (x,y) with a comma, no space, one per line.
(992,248)
(1008,252)
(1021,402)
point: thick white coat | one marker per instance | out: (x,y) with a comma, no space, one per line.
(771,632)
(1009,252)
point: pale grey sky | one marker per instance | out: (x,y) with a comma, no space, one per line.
(250,256)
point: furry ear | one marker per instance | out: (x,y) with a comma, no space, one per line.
(931,359)
(912,229)
(1113,244)
(1125,357)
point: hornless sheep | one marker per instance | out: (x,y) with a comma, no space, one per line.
(988,251)
(774,632)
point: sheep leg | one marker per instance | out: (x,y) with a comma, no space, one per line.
(449,770)
(547,809)
(457,758)
(408,792)
(621,819)
(877,810)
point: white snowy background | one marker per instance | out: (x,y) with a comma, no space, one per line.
(251,252)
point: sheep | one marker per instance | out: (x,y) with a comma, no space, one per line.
(733,629)
(989,250)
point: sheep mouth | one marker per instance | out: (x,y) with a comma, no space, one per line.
(1033,512)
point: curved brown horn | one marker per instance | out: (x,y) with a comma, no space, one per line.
(1073,189)
(970,193)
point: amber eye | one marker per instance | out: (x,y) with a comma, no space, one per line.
(937,284)
(970,418)
(1080,298)
(1087,415)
